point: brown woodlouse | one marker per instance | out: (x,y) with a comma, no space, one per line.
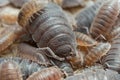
(96,53)
(114,34)
(105,19)
(96,74)
(12,69)
(112,59)
(84,40)
(9,70)
(8,34)
(52,73)
(26,51)
(26,66)
(83,20)
(38,17)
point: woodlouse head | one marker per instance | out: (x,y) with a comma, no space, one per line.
(29,9)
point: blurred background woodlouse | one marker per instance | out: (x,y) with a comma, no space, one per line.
(105,19)
(26,66)
(52,73)
(112,59)
(83,20)
(96,74)
(38,21)
(96,53)
(18,3)
(9,70)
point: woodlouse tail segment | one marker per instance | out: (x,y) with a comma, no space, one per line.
(9,70)
(96,53)
(29,9)
(84,40)
(28,52)
(50,53)
(52,73)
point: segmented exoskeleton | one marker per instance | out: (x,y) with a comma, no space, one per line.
(84,40)
(26,51)
(105,19)
(64,66)
(26,66)
(49,27)
(85,17)
(96,53)
(52,73)
(9,70)
(96,74)
(112,59)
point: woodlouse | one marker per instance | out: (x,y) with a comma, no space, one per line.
(114,33)
(28,52)
(83,20)
(26,66)
(112,59)
(96,53)
(64,66)
(96,74)
(18,3)
(52,73)
(105,19)
(38,17)
(84,40)
(8,35)
(9,70)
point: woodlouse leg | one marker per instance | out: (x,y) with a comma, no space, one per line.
(50,53)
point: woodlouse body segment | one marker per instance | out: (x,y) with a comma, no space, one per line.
(28,52)
(28,9)
(83,20)
(9,70)
(84,40)
(49,27)
(105,18)
(112,59)
(52,73)
(95,74)
(96,53)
